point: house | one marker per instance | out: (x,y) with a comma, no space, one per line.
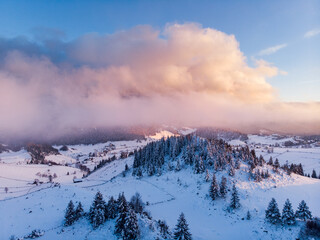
(77,180)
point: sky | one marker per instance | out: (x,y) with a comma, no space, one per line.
(251,55)
(257,25)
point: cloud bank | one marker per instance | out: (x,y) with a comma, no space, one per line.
(184,75)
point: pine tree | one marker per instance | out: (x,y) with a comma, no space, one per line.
(303,211)
(288,216)
(79,211)
(123,213)
(178,166)
(97,208)
(231,171)
(273,213)
(258,177)
(181,231)
(69,216)
(207,175)
(223,187)
(235,200)
(248,215)
(98,217)
(314,174)
(164,229)
(131,227)
(112,209)
(214,188)
(276,165)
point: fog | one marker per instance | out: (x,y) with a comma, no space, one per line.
(183,75)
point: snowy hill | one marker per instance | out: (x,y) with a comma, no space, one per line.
(166,193)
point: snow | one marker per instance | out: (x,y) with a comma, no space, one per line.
(19,178)
(161,134)
(308,157)
(27,207)
(60,159)
(10,157)
(237,142)
(186,130)
(268,139)
(167,196)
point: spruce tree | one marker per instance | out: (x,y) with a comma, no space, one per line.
(79,211)
(123,213)
(314,174)
(69,216)
(273,213)
(131,227)
(235,200)
(303,211)
(98,217)
(231,171)
(178,166)
(214,188)
(112,209)
(288,217)
(248,215)
(276,165)
(207,176)
(181,231)
(97,208)
(223,187)
(164,229)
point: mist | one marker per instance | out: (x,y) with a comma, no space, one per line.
(183,75)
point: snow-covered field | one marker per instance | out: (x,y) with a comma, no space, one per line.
(273,146)
(308,157)
(26,207)
(167,197)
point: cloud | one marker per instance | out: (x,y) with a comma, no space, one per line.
(184,74)
(312,33)
(272,50)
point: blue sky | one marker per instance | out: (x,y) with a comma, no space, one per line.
(284,33)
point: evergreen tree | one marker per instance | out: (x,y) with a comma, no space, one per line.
(181,231)
(123,213)
(273,213)
(231,171)
(235,200)
(207,175)
(276,165)
(314,174)
(223,187)
(69,216)
(258,176)
(98,217)
(164,229)
(79,211)
(97,210)
(131,227)
(288,216)
(112,209)
(178,166)
(214,188)
(303,211)
(248,215)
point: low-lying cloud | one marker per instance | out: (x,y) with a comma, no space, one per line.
(184,74)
